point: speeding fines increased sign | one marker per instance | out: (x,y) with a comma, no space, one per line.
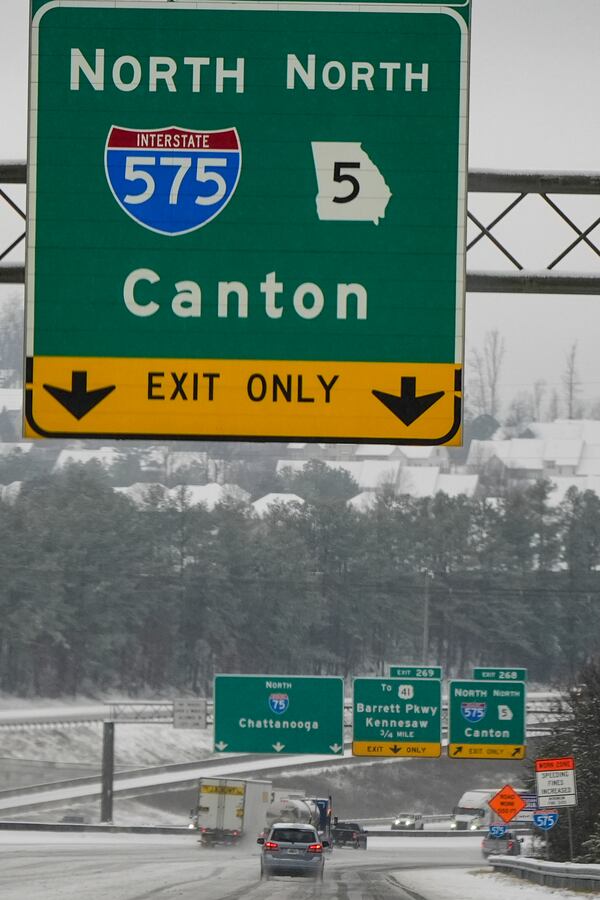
(247,219)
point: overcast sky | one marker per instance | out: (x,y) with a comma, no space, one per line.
(535,77)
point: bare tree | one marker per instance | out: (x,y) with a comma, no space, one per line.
(486,366)
(570,383)
(553,406)
(11,341)
(538,395)
(520,412)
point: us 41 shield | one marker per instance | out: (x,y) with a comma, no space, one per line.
(172,180)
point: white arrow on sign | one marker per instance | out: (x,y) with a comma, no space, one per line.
(335,747)
(221,745)
(278,747)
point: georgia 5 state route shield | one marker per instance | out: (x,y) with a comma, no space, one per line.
(172,180)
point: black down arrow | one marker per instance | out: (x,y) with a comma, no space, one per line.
(407,406)
(79,401)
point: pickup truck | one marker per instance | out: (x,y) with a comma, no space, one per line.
(507,844)
(349,834)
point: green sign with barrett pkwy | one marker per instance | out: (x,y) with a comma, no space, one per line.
(486,719)
(278,714)
(397,717)
(247,219)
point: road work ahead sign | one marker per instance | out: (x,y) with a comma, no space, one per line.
(247,220)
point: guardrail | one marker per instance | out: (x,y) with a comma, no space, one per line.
(429,833)
(380,820)
(8,825)
(552,874)
(111,829)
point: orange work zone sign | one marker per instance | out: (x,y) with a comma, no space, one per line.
(556,764)
(507,803)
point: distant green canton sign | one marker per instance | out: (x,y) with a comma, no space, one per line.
(278,714)
(486,719)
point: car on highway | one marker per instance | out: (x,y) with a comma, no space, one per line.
(348,834)
(408,821)
(506,844)
(292,848)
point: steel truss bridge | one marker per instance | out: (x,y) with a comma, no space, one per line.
(515,190)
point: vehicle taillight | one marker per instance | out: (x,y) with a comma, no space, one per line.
(315,848)
(354,835)
(510,845)
(271,845)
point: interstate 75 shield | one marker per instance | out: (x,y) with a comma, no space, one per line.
(172,180)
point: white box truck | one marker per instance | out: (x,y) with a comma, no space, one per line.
(230,809)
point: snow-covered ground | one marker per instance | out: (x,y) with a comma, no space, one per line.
(136,746)
(478,884)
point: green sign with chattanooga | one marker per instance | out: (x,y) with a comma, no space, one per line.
(279,714)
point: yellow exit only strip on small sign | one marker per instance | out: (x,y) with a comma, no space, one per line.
(486,751)
(396,748)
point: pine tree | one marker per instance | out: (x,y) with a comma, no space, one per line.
(579,737)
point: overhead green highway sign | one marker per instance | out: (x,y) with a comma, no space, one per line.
(397,717)
(278,714)
(247,220)
(486,719)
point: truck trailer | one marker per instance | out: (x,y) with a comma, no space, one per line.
(230,809)
(473,812)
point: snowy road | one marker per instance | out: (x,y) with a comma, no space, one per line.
(132,867)
(136,867)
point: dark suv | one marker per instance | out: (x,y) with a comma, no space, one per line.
(349,834)
(292,849)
